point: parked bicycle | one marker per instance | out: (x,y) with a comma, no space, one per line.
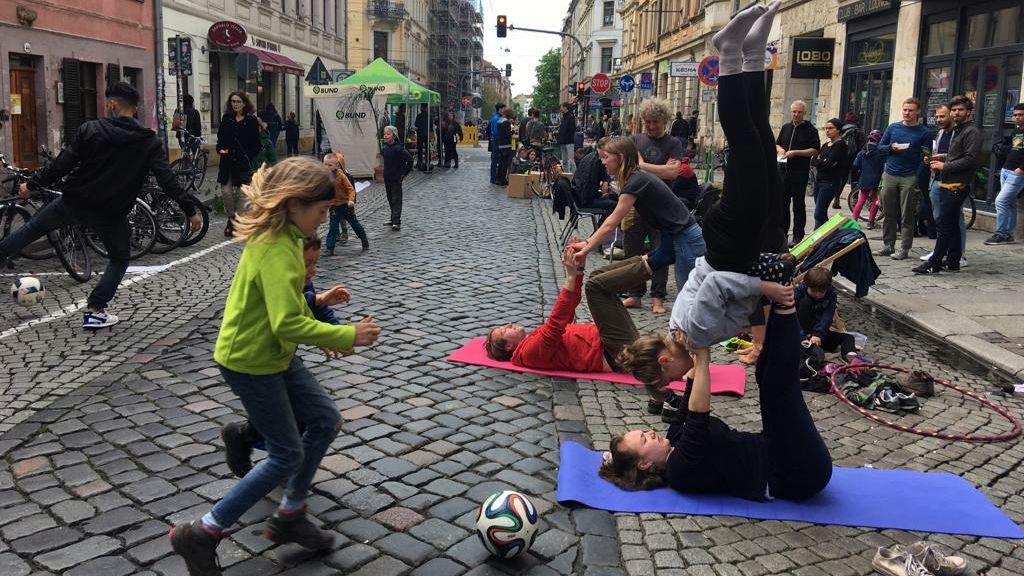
(190,169)
(545,166)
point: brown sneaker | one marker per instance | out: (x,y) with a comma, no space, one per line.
(198,547)
(297,527)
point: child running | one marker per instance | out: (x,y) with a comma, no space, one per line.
(240,437)
(344,208)
(265,318)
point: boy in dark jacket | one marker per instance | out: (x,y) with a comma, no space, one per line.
(397,164)
(567,136)
(815,308)
(869,164)
(106,166)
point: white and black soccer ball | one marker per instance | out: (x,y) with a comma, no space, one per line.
(27,291)
(507,523)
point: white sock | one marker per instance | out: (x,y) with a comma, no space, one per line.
(289,506)
(211,524)
(756,42)
(729,40)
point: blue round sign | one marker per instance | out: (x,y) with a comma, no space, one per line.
(627,84)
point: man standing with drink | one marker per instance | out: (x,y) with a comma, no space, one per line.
(903,144)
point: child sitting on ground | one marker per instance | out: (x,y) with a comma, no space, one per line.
(815,308)
(240,437)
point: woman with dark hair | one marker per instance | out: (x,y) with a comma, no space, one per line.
(832,165)
(238,143)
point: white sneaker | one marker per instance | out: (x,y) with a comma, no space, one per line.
(927,256)
(963,262)
(102,319)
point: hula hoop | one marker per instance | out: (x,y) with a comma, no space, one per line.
(834,389)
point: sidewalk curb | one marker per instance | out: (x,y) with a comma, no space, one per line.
(1004,363)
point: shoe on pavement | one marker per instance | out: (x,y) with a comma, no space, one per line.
(885,251)
(654,406)
(926,268)
(283,528)
(999,239)
(896,561)
(389,223)
(963,262)
(396,227)
(95,320)
(198,547)
(935,562)
(344,238)
(237,447)
(672,407)
(927,256)
(366,244)
(901,255)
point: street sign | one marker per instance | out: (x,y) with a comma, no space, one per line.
(600,83)
(627,84)
(682,69)
(647,80)
(709,96)
(707,72)
(318,73)
(179,55)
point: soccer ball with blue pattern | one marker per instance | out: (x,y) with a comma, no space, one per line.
(506,524)
(27,291)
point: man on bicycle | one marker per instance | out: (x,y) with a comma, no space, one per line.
(106,166)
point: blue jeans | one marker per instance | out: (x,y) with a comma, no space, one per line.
(934,195)
(340,214)
(682,249)
(1006,202)
(274,404)
(824,192)
(116,237)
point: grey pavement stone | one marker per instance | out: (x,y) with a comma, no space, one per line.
(599,550)
(398,518)
(353,556)
(383,566)
(439,567)
(78,553)
(553,542)
(405,548)
(105,566)
(114,521)
(11,565)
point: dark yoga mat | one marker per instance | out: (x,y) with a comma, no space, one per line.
(862,497)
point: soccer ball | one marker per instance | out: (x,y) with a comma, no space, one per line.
(27,291)
(506,524)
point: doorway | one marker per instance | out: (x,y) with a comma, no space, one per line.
(993,83)
(24,118)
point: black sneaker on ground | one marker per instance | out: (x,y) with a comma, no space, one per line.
(297,528)
(197,547)
(237,447)
(654,406)
(389,223)
(396,227)
(998,239)
(927,268)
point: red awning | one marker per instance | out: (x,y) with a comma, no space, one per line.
(275,63)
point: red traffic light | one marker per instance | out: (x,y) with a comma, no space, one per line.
(502,26)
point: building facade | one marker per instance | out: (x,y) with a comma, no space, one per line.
(282,39)
(393,30)
(56,61)
(456,52)
(597,24)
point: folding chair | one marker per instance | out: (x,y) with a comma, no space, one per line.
(575,214)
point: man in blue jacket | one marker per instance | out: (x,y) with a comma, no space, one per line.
(492,141)
(903,145)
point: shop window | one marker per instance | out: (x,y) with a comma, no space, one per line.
(997,28)
(872,51)
(941,38)
(938,80)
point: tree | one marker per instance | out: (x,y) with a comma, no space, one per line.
(545,94)
(491,97)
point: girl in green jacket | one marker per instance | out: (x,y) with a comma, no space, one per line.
(265,318)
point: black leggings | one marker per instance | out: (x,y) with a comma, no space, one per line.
(799,464)
(734,227)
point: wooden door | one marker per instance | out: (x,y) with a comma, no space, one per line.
(23,125)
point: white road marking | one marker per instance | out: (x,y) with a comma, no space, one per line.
(79,305)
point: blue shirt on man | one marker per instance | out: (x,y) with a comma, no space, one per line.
(904,162)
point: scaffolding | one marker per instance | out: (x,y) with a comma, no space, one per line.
(456,49)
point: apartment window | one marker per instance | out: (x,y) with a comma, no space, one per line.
(606,59)
(326,13)
(284,6)
(609,13)
(380,44)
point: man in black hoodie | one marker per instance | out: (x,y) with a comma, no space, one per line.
(106,166)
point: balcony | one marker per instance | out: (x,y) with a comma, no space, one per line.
(386,10)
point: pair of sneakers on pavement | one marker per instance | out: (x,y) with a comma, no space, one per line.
(895,254)
(928,256)
(668,408)
(918,559)
(197,544)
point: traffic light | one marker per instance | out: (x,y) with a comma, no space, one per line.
(502,26)
(581,87)
(508,70)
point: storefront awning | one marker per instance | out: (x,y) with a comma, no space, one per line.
(275,63)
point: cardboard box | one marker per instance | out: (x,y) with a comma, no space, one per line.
(519,185)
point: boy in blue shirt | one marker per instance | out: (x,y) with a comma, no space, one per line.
(902,145)
(815,308)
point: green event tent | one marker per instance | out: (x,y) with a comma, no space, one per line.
(400,90)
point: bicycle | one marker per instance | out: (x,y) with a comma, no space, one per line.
(544,166)
(143,232)
(190,169)
(715,162)
(67,241)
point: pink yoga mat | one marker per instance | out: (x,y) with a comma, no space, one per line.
(725,379)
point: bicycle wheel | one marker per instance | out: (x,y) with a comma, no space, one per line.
(183,173)
(204,215)
(142,233)
(15,217)
(70,247)
(974,212)
(172,226)
(199,170)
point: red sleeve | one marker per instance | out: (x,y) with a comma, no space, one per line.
(562,314)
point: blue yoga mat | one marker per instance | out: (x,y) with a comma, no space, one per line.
(863,497)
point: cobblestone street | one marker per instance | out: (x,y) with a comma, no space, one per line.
(110,438)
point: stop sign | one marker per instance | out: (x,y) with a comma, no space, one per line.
(600,83)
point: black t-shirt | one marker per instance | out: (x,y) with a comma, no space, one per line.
(658,150)
(800,137)
(1015,159)
(656,203)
